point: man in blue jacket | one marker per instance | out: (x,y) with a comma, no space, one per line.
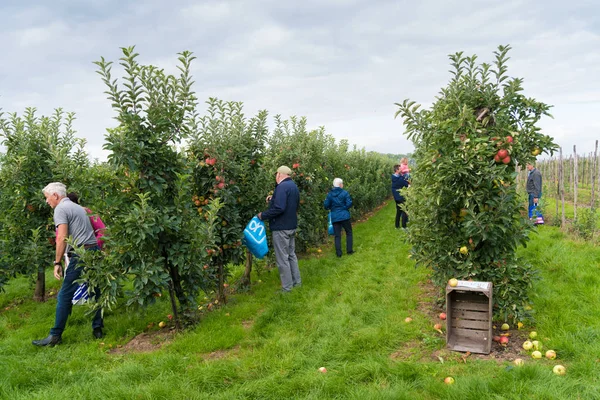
(399,182)
(283,221)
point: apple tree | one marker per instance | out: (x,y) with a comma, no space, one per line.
(39,150)
(227,151)
(156,236)
(466,218)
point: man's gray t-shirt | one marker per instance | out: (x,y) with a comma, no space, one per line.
(77,220)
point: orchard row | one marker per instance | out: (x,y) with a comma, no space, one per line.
(176,191)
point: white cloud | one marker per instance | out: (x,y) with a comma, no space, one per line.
(342,64)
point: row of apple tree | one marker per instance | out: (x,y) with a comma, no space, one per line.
(177,188)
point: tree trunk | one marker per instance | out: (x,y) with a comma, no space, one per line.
(222,298)
(245,281)
(40,286)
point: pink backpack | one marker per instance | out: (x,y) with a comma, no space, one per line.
(98,227)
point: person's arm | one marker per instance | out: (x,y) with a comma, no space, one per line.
(278,204)
(61,245)
(348,200)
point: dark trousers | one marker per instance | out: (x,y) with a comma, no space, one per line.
(401,214)
(64,303)
(337,231)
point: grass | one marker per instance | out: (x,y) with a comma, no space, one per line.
(348,316)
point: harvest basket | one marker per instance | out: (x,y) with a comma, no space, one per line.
(469,317)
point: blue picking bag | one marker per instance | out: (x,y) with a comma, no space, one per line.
(330,225)
(255,238)
(81,295)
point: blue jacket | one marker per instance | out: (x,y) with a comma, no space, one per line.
(398,182)
(283,208)
(338,201)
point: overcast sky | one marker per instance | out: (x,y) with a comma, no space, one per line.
(342,64)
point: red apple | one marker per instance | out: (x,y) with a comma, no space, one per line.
(221,185)
(506,160)
(443,316)
(503,340)
(509,139)
(497,158)
(449,380)
(496,339)
(437,326)
(502,153)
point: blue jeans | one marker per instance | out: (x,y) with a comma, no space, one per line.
(65,296)
(531,207)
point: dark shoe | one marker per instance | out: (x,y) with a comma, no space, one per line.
(50,341)
(98,333)
(282,291)
(350,253)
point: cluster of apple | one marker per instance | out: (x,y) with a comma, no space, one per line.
(536,354)
(503,156)
(503,338)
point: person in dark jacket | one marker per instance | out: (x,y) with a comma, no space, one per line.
(399,182)
(534,187)
(283,221)
(339,201)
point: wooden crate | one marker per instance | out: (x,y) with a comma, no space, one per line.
(469,317)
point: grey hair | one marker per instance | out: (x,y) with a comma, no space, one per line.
(337,182)
(55,187)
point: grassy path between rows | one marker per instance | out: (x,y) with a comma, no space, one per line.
(348,317)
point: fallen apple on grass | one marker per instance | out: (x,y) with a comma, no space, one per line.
(443,316)
(408,319)
(449,380)
(536,354)
(519,362)
(437,326)
(559,370)
(550,354)
(162,324)
(532,335)
(527,345)
(537,345)
(453,282)
(504,340)
(323,370)
(505,327)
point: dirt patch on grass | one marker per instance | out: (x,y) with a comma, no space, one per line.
(219,354)
(144,342)
(429,307)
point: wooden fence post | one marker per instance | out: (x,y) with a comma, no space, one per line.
(575,177)
(594,169)
(561,176)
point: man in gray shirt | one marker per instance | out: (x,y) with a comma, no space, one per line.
(70,219)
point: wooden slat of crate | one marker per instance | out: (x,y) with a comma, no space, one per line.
(470,306)
(470,324)
(472,297)
(464,345)
(471,333)
(462,314)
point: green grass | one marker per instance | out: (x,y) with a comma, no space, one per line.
(348,316)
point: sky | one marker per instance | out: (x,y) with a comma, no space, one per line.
(342,64)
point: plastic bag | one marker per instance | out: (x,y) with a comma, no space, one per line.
(255,238)
(81,295)
(330,225)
